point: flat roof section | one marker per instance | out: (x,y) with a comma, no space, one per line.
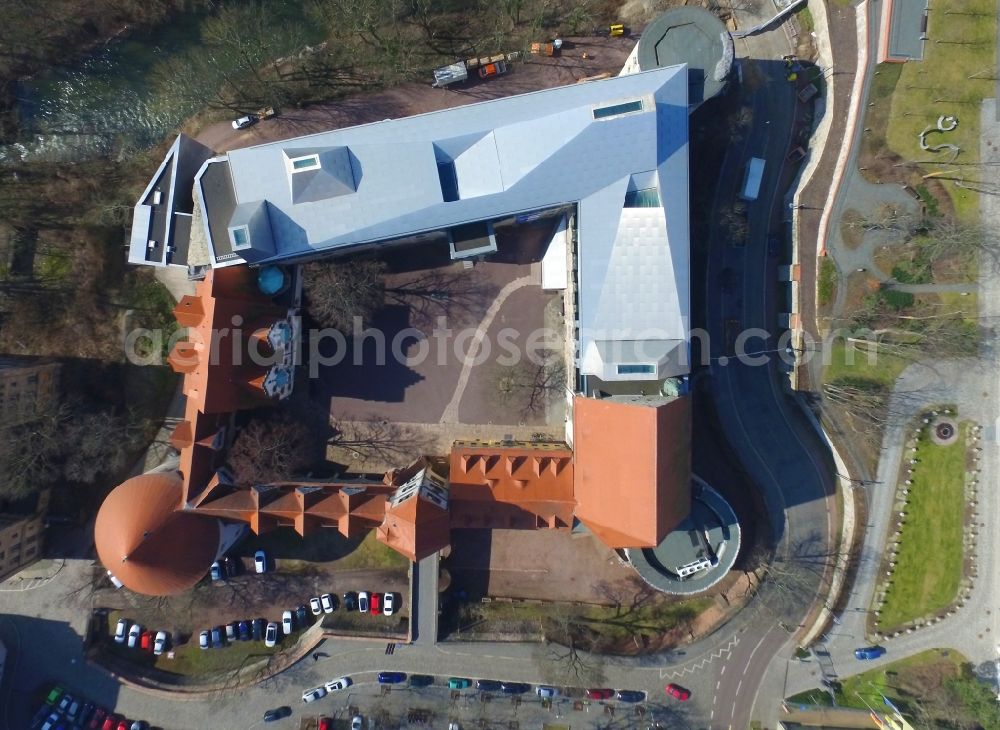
(180,239)
(159,214)
(220,202)
(693,36)
(907,23)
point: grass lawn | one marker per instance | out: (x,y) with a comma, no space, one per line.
(954,77)
(325,545)
(899,681)
(883,371)
(929,563)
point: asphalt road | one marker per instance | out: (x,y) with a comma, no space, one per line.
(778,447)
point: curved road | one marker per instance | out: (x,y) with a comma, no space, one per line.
(776,444)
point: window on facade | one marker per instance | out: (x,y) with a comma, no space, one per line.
(636,370)
(628,107)
(240,237)
(646,198)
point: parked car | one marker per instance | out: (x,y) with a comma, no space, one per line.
(388,604)
(51,721)
(139,725)
(85,712)
(546,693)
(869,652)
(203,639)
(459,683)
(316,693)
(391,677)
(114,581)
(492,69)
(120,631)
(314,606)
(97,719)
(230,632)
(260,561)
(487,685)
(110,722)
(301,616)
(286,623)
(514,688)
(363,602)
(325,723)
(351,601)
(217,638)
(56,692)
(72,710)
(257,628)
(215,571)
(678,692)
(146,641)
(271,635)
(277,713)
(357,723)
(630,695)
(335,685)
(245,121)
(421,680)
(39,717)
(243,630)
(160,643)
(326,601)
(122,724)
(133,635)
(374,601)
(65,702)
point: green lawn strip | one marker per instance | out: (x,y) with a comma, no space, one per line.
(827,287)
(929,562)
(845,362)
(654,616)
(954,77)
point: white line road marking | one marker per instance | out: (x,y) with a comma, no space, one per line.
(750,658)
(738,686)
(723,670)
(717,685)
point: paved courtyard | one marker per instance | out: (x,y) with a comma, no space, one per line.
(454,345)
(539,564)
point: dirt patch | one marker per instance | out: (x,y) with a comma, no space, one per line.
(850,228)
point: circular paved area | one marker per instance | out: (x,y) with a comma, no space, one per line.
(699,552)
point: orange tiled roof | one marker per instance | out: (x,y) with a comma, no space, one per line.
(633,467)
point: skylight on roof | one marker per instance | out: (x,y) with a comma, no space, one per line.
(301,164)
(615,110)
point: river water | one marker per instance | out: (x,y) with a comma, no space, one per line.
(103,104)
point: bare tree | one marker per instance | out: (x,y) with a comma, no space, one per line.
(568,653)
(338,291)
(271,450)
(530,385)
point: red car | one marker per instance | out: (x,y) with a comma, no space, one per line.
(325,723)
(600,694)
(123,725)
(678,692)
(109,723)
(146,641)
(375,602)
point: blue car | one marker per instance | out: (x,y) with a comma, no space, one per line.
(391,677)
(869,652)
